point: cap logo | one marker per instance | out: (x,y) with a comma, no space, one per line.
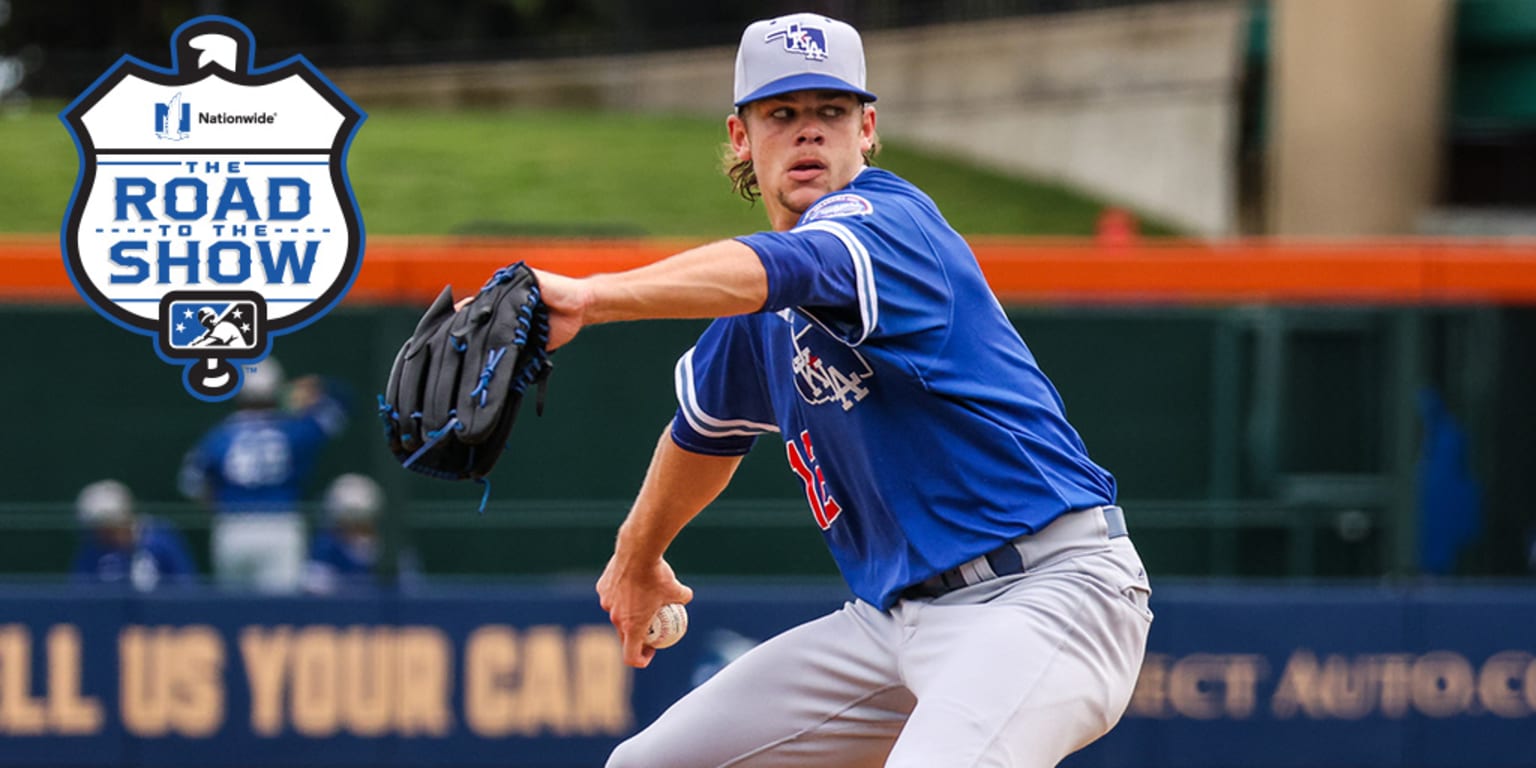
(810,41)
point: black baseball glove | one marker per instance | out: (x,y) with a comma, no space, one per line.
(456,385)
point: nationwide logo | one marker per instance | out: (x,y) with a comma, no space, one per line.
(243,229)
(173,119)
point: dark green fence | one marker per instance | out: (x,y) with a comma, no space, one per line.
(1250,441)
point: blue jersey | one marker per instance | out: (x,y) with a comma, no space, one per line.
(158,556)
(347,559)
(338,563)
(259,460)
(920,427)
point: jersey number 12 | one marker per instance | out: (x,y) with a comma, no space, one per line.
(823,506)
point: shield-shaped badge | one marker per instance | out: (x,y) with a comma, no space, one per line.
(213,209)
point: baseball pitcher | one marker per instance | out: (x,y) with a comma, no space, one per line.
(1000,610)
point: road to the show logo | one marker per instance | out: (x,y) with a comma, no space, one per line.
(213,209)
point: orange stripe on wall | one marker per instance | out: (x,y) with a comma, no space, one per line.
(32,270)
(412,270)
(415,269)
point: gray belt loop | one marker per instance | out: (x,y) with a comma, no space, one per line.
(1114,521)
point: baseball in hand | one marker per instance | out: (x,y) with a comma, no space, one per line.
(668,626)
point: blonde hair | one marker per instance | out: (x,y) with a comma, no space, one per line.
(744,177)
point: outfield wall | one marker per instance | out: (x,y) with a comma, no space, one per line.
(1135,105)
(530,677)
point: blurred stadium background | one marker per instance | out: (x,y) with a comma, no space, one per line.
(1276,255)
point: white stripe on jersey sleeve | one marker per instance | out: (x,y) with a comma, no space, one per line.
(863,275)
(703,423)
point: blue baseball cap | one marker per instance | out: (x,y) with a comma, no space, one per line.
(799,52)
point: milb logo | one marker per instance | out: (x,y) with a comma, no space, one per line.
(215,240)
(232,326)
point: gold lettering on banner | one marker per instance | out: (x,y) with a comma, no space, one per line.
(601,703)
(1150,696)
(21,714)
(1210,686)
(546,681)
(265,652)
(1503,685)
(1347,689)
(546,694)
(1298,689)
(426,674)
(198,687)
(171,680)
(313,697)
(1438,684)
(1201,686)
(1530,686)
(142,699)
(367,683)
(1243,673)
(322,680)
(490,664)
(1395,673)
(1339,687)
(62,708)
(69,712)
(1442,684)
(1192,686)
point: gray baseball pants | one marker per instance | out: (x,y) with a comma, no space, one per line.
(1017,671)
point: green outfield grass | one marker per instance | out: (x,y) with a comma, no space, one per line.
(419,172)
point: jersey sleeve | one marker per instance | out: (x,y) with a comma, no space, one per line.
(193,479)
(722,402)
(824,272)
(327,415)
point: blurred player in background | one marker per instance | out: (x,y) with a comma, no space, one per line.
(1002,611)
(251,469)
(346,552)
(119,546)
